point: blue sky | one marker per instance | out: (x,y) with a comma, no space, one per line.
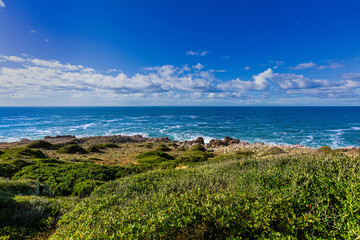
(249,52)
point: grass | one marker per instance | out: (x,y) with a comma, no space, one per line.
(187,193)
(284,197)
(72,149)
(40,144)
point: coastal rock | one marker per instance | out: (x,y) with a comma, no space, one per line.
(60,137)
(226,142)
(24,140)
(198,140)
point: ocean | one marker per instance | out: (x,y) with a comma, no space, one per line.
(310,126)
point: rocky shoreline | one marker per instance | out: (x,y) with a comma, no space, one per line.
(224,145)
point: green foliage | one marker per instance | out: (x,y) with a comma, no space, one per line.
(293,197)
(198,147)
(153,158)
(62,177)
(108,145)
(147,145)
(72,149)
(17,153)
(84,189)
(173,145)
(2,152)
(94,149)
(154,154)
(12,160)
(274,151)
(163,148)
(23,211)
(324,150)
(40,144)
(194,156)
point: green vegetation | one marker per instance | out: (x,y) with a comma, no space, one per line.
(189,194)
(163,148)
(72,149)
(285,197)
(40,144)
(94,149)
(62,177)
(274,151)
(108,145)
(153,157)
(324,150)
(25,211)
(198,147)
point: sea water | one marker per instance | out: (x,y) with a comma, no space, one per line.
(310,126)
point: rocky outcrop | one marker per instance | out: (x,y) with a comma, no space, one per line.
(226,142)
(198,140)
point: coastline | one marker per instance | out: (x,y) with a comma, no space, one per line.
(226,144)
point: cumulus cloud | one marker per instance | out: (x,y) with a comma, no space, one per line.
(260,82)
(303,66)
(199,53)
(247,68)
(198,66)
(25,77)
(294,84)
(2,4)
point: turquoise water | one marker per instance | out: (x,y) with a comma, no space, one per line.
(310,126)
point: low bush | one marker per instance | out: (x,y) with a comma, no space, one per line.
(296,197)
(108,145)
(194,156)
(163,148)
(84,189)
(94,149)
(72,149)
(198,147)
(156,154)
(324,150)
(273,151)
(62,177)
(40,144)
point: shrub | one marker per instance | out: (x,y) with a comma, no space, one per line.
(156,154)
(1,152)
(72,149)
(108,145)
(94,149)
(194,156)
(173,145)
(40,144)
(324,150)
(274,151)
(63,177)
(244,153)
(84,189)
(198,147)
(295,197)
(163,148)
(148,145)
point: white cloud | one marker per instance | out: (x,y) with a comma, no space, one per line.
(2,4)
(28,77)
(352,76)
(247,68)
(47,40)
(303,66)
(331,65)
(261,81)
(33,31)
(199,53)
(198,66)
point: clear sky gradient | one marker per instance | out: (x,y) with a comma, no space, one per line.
(131,52)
